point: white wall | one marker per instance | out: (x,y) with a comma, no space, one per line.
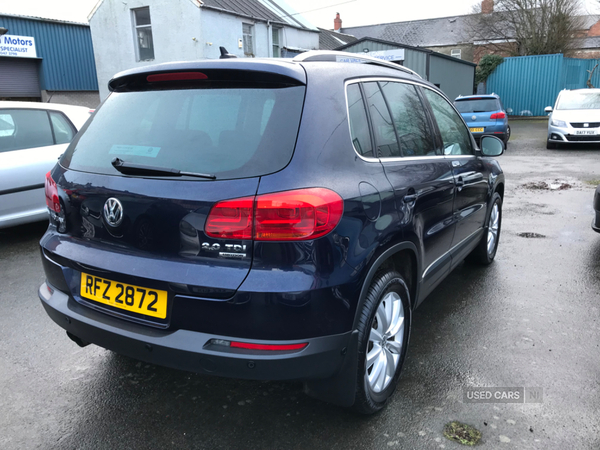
(175,24)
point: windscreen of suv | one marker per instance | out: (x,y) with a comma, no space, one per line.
(478,105)
(579,100)
(228,132)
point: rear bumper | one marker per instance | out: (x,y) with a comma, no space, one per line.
(192,351)
(478,136)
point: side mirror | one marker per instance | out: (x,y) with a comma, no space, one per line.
(491,146)
(509,110)
(548,109)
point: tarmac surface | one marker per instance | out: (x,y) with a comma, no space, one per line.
(530,320)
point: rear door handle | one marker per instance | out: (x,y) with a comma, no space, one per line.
(410,198)
(460,181)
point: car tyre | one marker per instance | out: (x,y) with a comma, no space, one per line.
(485,252)
(507,137)
(383,332)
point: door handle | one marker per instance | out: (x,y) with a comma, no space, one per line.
(460,181)
(409,198)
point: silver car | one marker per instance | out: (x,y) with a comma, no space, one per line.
(575,118)
(32,137)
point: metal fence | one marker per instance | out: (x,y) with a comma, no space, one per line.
(527,84)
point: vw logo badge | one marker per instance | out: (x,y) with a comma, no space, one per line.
(113,212)
(586,125)
(474,117)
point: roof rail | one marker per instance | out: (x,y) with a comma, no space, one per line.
(333,56)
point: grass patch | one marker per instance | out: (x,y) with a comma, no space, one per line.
(463,433)
(592,182)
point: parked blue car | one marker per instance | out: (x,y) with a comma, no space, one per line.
(485,115)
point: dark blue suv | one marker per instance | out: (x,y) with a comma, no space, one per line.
(270,220)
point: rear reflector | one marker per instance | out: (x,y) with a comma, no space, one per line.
(269,347)
(499,115)
(283,216)
(51,190)
(176,76)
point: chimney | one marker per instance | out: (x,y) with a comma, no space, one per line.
(487,6)
(337,22)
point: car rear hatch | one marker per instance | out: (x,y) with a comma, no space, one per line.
(131,195)
(477,112)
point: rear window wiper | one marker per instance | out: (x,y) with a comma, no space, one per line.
(128,168)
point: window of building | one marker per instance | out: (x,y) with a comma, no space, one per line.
(143,34)
(455,52)
(276,45)
(247,31)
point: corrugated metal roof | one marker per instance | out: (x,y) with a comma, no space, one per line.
(66,51)
(260,10)
(433,32)
(330,40)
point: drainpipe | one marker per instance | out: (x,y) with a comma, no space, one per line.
(269,40)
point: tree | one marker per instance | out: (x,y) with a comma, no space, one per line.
(527,27)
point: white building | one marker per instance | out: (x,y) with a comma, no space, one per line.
(134,33)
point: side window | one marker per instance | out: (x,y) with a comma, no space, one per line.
(143,34)
(359,125)
(455,135)
(7,124)
(412,127)
(63,131)
(383,126)
(30,128)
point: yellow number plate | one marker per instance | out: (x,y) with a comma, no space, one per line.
(149,302)
(476,130)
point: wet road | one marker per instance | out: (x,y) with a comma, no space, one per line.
(529,320)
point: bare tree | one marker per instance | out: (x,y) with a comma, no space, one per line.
(527,27)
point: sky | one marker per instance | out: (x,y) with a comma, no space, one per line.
(319,12)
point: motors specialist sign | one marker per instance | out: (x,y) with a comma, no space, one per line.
(19,46)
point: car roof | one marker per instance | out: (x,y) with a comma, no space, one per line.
(76,114)
(292,68)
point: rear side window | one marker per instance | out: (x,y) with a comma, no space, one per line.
(63,131)
(383,125)
(229,132)
(359,125)
(477,105)
(24,128)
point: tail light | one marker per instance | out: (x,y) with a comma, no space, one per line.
(52,194)
(498,115)
(231,219)
(283,216)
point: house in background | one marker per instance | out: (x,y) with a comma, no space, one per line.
(453,36)
(47,60)
(143,32)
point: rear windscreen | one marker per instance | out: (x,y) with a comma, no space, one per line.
(475,106)
(228,132)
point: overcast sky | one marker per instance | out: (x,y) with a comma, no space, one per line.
(320,12)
